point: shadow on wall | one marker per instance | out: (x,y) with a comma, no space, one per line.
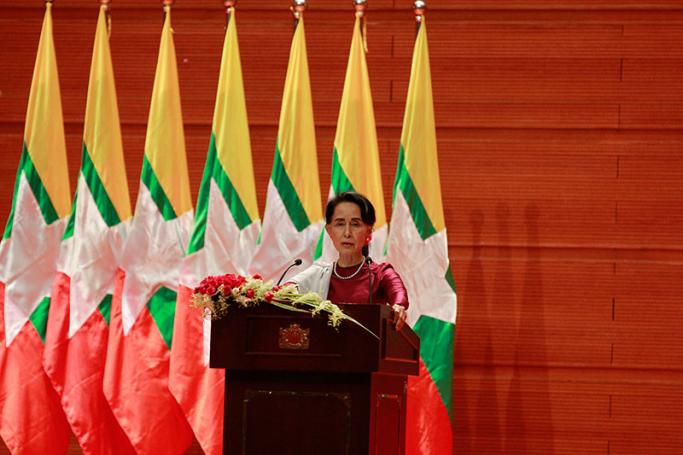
(508,409)
(529,424)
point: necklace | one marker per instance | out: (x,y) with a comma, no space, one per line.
(334,269)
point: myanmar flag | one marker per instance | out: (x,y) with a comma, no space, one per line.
(76,345)
(143,305)
(293,218)
(31,417)
(223,240)
(418,249)
(355,158)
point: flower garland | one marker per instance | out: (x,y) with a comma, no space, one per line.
(215,295)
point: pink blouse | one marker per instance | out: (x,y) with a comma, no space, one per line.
(387,286)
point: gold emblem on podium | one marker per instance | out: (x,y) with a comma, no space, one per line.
(293,337)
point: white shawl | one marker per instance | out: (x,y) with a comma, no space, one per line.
(315,278)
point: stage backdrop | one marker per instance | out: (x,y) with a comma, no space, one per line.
(560,130)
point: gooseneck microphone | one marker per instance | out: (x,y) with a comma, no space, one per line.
(369,261)
(296,263)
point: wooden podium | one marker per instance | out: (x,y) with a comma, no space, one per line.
(295,385)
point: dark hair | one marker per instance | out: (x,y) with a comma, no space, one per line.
(367,210)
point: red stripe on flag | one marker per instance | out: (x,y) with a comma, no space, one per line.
(429,430)
(31,418)
(136,384)
(199,389)
(76,368)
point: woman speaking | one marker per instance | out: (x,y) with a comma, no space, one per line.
(353,277)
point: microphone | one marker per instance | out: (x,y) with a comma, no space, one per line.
(368,260)
(297,262)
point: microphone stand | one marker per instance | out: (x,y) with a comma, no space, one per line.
(296,263)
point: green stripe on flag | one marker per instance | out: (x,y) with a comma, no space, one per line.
(37,188)
(288,195)
(340,181)
(105,308)
(156,190)
(417,209)
(39,317)
(162,308)
(436,351)
(99,193)
(10,220)
(449,278)
(71,224)
(319,246)
(214,169)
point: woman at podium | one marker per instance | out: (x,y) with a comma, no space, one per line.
(354,277)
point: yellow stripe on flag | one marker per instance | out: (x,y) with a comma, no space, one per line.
(165,141)
(356,138)
(296,137)
(44,131)
(102,134)
(231,127)
(419,133)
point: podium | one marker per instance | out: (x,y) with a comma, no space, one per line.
(294,385)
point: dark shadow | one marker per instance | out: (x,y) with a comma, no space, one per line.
(508,311)
(532,433)
(476,425)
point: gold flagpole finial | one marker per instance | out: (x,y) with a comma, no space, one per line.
(104,4)
(360,6)
(298,7)
(419,8)
(229,8)
(167,6)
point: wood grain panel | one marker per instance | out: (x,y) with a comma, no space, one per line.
(652,177)
(647,315)
(570,222)
(494,5)
(533,312)
(646,422)
(511,414)
(653,116)
(655,224)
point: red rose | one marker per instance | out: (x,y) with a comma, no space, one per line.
(257,277)
(250,293)
(268,296)
(276,288)
(209,289)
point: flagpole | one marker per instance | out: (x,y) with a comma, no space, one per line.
(359,6)
(419,8)
(298,7)
(104,4)
(167,8)
(229,8)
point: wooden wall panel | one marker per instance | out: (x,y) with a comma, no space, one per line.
(559,125)
(526,312)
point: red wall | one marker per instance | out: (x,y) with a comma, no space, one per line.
(560,134)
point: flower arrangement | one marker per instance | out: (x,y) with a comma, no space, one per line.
(216,295)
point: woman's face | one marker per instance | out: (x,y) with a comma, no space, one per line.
(347,230)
